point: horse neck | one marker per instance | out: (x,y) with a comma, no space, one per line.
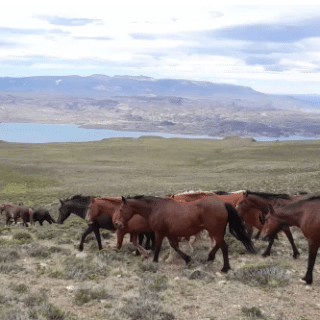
(79,209)
(289,216)
(143,208)
(107,206)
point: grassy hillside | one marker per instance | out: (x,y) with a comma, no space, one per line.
(44,276)
(41,173)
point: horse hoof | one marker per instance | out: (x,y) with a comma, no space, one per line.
(225,270)
(307,281)
(296,256)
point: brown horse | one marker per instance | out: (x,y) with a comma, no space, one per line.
(227,197)
(304,214)
(107,206)
(17,211)
(173,219)
(253,208)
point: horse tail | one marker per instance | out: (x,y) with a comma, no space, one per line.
(238,228)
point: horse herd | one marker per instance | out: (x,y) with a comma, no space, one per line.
(183,215)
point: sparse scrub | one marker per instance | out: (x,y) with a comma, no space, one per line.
(148,265)
(85,295)
(264,276)
(22,236)
(80,269)
(36,251)
(253,313)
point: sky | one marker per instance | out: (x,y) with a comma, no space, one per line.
(270,48)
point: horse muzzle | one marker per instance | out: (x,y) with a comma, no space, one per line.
(118,225)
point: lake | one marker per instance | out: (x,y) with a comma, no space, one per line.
(46,133)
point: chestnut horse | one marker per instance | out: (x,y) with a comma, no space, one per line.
(107,206)
(227,197)
(17,211)
(304,214)
(173,219)
(253,208)
(232,197)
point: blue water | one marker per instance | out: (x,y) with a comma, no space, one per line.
(46,133)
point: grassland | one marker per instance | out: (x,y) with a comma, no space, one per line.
(43,276)
(40,173)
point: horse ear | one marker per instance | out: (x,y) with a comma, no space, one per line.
(61,201)
(123,199)
(245,194)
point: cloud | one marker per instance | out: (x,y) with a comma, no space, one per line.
(20,31)
(68,22)
(280,32)
(94,38)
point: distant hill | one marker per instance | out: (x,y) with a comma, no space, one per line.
(105,86)
(164,105)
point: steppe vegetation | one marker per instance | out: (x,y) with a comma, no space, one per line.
(44,276)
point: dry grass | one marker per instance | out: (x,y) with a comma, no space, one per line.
(43,276)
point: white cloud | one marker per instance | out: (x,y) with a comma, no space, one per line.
(172,40)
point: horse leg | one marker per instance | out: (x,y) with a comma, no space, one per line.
(311,261)
(175,245)
(288,233)
(268,250)
(158,242)
(96,231)
(213,252)
(86,232)
(226,264)
(141,250)
(258,235)
(120,235)
(250,231)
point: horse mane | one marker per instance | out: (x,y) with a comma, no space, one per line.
(268,195)
(221,193)
(146,198)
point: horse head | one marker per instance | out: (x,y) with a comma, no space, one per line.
(118,218)
(92,211)
(272,224)
(64,211)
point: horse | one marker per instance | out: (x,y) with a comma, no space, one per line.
(228,197)
(17,211)
(41,215)
(253,207)
(304,214)
(79,205)
(137,225)
(171,219)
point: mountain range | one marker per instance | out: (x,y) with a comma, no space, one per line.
(158,105)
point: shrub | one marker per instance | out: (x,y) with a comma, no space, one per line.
(9,254)
(22,236)
(266,275)
(85,295)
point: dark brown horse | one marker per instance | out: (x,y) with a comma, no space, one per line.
(14,212)
(253,208)
(107,206)
(304,214)
(171,219)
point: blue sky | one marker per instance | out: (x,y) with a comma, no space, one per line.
(273,49)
